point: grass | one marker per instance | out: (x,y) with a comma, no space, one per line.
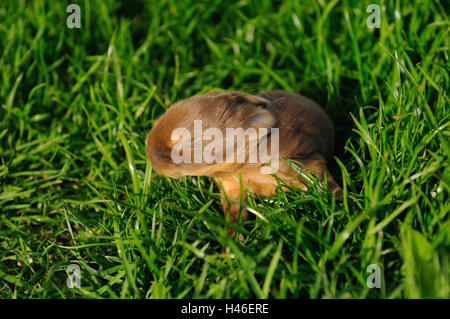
(76,188)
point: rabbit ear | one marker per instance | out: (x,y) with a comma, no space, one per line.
(262,118)
(247,110)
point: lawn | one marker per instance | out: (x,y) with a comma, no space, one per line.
(76,187)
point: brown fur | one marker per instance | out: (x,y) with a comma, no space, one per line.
(305,134)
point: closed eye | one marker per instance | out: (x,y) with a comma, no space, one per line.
(164,156)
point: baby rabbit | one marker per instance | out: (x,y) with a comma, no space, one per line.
(292,126)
